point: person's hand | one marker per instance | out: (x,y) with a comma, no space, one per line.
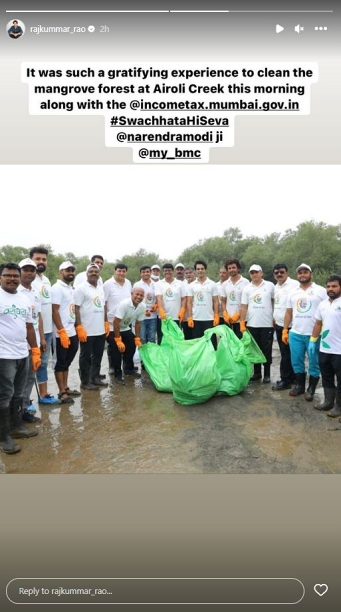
(120,345)
(242,327)
(36,358)
(81,333)
(106,328)
(285,336)
(147,313)
(190,322)
(312,346)
(235,318)
(182,313)
(215,320)
(154,308)
(162,314)
(137,341)
(226,317)
(64,338)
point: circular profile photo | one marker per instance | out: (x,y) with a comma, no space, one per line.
(15,29)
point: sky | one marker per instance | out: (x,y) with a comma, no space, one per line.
(117,210)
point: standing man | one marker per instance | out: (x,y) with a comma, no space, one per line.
(202,302)
(231,292)
(328,321)
(16,330)
(257,306)
(82,276)
(300,314)
(148,325)
(42,286)
(129,311)
(283,287)
(189,278)
(63,314)
(223,276)
(171,295)
(92,327)
(116,289)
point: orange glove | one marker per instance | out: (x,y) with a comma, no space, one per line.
(137,341)
(121,347)
(182,313)
(235,317)
(162,314)
(36,359)
(190,322)
(154,308)
(226,317)
(64,338)
(147,313)
(106,328)
(216,320)
(242,326)
(285,336)
(81,333)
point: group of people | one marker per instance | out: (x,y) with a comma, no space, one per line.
(83,312)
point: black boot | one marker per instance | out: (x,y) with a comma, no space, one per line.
(266,377)
(18,428)
(309,395)
(329,399)
(300,385)
(99,382)
(336,411)
(257,372)
(7,444)
(85,383)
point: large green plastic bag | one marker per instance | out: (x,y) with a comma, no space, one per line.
(233,365)
(193,371)
(156,361)
(251,348)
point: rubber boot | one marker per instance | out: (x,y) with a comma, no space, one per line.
(329,399)
(85,383)
(300,385)
(336,411)
(266,377)
(99,382)
(7,444)
(257,372)
(18,428)
(309,395)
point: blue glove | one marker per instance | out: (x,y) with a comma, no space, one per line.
(312,346)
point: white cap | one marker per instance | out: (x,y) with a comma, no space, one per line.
(67,264)
(256,268)
(27,262)
(179,265)
(155,266)
(303,265)
(92,265)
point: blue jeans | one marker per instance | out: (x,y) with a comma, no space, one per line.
(42,376)
(148,330)
(298,350)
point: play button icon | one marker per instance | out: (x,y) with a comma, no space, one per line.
(279,28)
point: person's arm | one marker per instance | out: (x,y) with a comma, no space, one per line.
(243,312)
(31,336)
(117,331)
(41,333)
(287,318)
(317,329)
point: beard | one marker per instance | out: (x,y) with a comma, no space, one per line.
(41,268)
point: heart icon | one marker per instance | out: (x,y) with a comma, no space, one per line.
(321,589)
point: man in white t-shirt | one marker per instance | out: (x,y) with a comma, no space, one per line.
(16,333)
(223,276)
(148,326)
(171,295)
(328,321)
(129,311)
(91,327)
(231,293)
(63,314)
(300,315)
(81,277)
(116,289)
(257,304)
(202,302)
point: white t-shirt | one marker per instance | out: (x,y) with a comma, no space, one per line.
(259,301)
(91,301)
(34,299)
(42,286)
(233,293)
(114,294)
(304,304)
(171,293)
(15,312)
(281,299)
(128,314)
(149,295)
(63,295)
(329,312)
(203,294)
(81,278)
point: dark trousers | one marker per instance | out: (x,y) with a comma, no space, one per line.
(286,370)
(264,337)
(90,356)
(199,329)
(188,331)
(65,356)
(13,376)
(330,366)
(128,340)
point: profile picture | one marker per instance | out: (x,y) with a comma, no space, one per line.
(15,29)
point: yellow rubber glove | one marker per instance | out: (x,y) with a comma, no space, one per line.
(147,313)
(190,322)
(235,318)
(226,317)
(242,326)
(36,358)
(215,320)
(285,336)
(81,333)
(121,347)
(162,314)
(106,328)
(64,338)
(182,313)
(137,341)
(154,308)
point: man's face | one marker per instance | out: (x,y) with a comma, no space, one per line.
(120,274)
(92,275)
(168,274)
(281,275)
(180,273)
(10,280)
(232,270)
(304,276)
(155,271)
(40,259)
(200,271)
(256,276)
(99,262)
(28,274)
(137,296)
(333,290)
(145,274)
(67,275)
(189,276)
(223,275)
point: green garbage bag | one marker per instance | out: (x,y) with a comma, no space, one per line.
(251,348)
(156,361)
(171,331)
(233,365)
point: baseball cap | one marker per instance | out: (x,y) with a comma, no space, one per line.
(27,262)
(155,266)
(66,264)
(92,265)
(303,265)
(179,265)
(256,268)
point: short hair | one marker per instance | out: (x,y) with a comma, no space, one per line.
(200,261)
(96,257)
(15,21)
(121,266)
(334,277)
(10,266)
(145,267)
(280,265)
(38,249)
(168,266)
(189,268)
(230,262)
